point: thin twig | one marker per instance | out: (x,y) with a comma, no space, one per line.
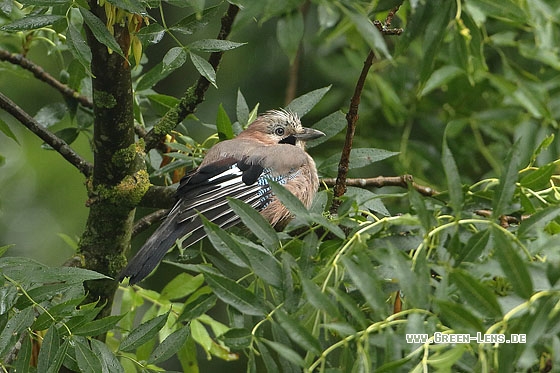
(55,142)
(160,197)
(351,118)
(195,94)
(41,74)
(382,181)
(385,27)
(147,221)
(505,220)
(293,72)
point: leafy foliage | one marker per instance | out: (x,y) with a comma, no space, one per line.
(343,292)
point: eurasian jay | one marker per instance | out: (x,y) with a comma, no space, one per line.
(271,148)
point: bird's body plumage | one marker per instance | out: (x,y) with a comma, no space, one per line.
(271,148)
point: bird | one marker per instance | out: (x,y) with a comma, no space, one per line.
(271,148)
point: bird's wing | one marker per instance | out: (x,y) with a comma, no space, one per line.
(205,192)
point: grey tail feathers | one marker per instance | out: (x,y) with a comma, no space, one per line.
(153,251)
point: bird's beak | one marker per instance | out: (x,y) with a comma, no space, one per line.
(309,134)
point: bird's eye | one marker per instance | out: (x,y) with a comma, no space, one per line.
(279,131)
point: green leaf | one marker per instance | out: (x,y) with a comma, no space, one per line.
(235,295)
(327,14)
(131,6)
(181,286)
(21,365)
(204,68)
(478,296)
(453,179)
(98,327)
(439,14)
(5,129)
(459,318)
(187,357)
(304,103)
(289,33)
(46,3)
(31,22)
(370,33)
(143,333)
(545,143)
(197,307)
(318,299)
(505,10)
(268,360)
(440,77)
(162,103)
(474,247)
(153,76)
(26,270)
(330,125)
(256,223)
(359,157)
(325,223)
(100,31)
(213,45)
(86,358)
(539,218)
(68,135)
(504,192)
(48,351)
(16,324)
(151,34)
(109,362)
(223,123)
(3,250)
(59,357)
(237,338)
(285,352)
(51,114)
(511,263)
(365,280)
(425,217)
(538,179)
(298,333)
(78,47)
(170,345)
(444,361)
(196,21)
(58,311)
(225,244)
(242,110)
(350,306)
(294,205)
(174,58)
(262,262)
(200,335)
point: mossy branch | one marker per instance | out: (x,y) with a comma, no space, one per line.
(48,137)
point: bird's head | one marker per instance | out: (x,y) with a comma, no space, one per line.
(282,127)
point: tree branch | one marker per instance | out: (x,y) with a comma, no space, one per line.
(352,116)
(158,197)
(293,72)
(195,94)
(382,181)
(147,221)
(41,74)
(56,143)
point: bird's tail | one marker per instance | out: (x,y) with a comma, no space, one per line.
(155,248)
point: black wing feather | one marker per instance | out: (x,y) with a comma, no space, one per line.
(205,192)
